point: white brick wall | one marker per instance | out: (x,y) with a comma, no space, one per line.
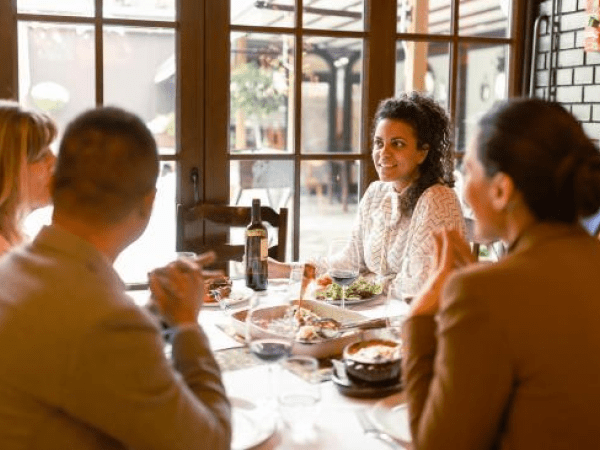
(577,72)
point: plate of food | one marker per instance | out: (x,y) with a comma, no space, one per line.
(219,292)
(307,342)
(362,290)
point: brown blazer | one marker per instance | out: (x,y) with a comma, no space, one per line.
(513,361)
(82,367)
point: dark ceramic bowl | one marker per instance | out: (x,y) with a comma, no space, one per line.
(373,360)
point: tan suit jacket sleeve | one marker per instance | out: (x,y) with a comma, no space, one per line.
(457,372)
(120,382)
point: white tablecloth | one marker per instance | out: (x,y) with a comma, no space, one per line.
(338,425)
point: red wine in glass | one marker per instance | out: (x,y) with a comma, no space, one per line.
(343,277)
(271,349)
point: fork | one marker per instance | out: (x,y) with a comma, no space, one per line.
(369,429)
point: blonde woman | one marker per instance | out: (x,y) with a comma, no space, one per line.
(26,164)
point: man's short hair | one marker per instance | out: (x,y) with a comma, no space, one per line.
(106,164)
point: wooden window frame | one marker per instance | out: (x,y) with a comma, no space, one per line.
(202,58)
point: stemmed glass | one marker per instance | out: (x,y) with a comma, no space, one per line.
(270,331)
(343,264)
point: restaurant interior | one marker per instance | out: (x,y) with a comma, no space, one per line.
(275,99)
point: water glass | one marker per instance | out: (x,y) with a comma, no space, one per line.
(299,398)
(295,281)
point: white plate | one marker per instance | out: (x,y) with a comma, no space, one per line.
(352,301)
(238,295)
(251,425)
(390,415)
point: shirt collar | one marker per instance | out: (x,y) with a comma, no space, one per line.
(543,231)
(62,241)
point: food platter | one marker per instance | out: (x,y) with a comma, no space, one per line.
(322,348)
(366,291)
(353,300)
(238,296)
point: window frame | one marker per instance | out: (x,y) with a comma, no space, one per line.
(202,96)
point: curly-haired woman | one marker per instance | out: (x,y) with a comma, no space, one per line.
(26,164)
(414,197)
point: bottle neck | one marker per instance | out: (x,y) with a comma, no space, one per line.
(255,213)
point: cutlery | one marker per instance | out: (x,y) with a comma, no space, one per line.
(369,429)
(330,328)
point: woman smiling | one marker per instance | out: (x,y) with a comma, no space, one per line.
(398,214)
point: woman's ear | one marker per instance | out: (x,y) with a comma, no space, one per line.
(423,151)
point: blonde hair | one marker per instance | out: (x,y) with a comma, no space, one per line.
(24,135)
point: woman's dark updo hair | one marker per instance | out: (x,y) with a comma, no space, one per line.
(432,127)
(545,151)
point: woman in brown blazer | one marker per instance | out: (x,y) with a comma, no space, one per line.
(507,355)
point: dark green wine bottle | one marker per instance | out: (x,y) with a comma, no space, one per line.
(256,251)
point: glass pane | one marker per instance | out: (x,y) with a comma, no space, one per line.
(424,16)
(328,195)
(140,9)
(270,181)
(484,17)
(263,13)
(63,7)
(331,95)
(334,15)
(156,246)
(423,67)
(56,68)
(262,93)
(482,80)
(139,75)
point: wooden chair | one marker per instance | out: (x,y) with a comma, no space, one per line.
(225,217)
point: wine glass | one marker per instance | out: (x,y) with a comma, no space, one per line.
(270,331)
(343,264)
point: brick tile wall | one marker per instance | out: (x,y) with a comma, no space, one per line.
(577,78)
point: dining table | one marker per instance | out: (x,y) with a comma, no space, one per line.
(343,422)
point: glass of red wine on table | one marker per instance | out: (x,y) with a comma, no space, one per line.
(270,331)
(343,266)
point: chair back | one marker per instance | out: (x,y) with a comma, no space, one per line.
(226,217)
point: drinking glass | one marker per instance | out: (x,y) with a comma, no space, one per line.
(295,281)
(270,331)
(298,401)
(343,265)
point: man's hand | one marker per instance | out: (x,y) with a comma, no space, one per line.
(452,252)
(178,288)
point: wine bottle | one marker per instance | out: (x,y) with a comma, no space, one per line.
(256,251)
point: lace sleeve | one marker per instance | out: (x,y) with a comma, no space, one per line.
(437,208)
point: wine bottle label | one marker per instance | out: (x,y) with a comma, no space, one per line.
(264,249)
(259,233)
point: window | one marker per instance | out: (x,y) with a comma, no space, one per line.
(72,57)
(270,99)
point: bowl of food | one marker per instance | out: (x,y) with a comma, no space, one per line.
(373,360)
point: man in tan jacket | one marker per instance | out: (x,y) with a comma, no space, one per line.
(82,367)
